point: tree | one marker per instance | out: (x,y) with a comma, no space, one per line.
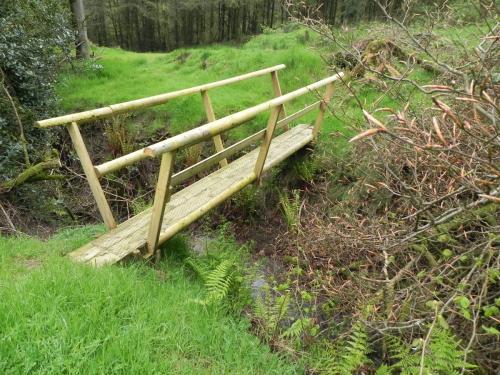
(82,41)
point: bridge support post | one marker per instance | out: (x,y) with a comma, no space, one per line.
(277,93)
(93,180)
(322,108)
(209,110)
(266,142)
(162,196)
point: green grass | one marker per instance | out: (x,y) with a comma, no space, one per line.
(58,317)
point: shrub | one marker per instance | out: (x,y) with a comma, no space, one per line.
(35,38)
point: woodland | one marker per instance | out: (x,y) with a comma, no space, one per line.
(373,250)
(169,24)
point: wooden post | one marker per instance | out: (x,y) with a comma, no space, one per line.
(322,108)
(88,169)
(266,142)
(162,195)
(209,110)
(277,92)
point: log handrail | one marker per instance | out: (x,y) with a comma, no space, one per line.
(224,124)
(233,149)
(113,109)
(141,154)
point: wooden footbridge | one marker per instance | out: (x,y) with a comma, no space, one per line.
(171,212)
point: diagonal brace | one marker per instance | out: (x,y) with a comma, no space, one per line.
(266,142)
(162,196)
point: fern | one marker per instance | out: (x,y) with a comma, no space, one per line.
(384,370)
(407,361)
(446,356)
(353,352)
(291,208)
(200,268)
(443,355)
(217,281)
(271,311)
(298,328)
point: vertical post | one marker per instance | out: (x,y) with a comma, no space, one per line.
(209,110)
(266,142)
(162,195)
(93,180)
(277,92)
(322,108)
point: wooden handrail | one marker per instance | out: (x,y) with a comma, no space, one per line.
(206,131)
(233,149)
(135,156)
(213,129)
(108,111)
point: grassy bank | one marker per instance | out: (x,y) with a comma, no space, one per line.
(116,75)
(59,317)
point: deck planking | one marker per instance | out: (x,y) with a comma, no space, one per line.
(129,238)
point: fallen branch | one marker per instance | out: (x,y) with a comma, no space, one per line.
(32,173)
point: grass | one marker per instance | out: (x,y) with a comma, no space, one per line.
(59,317)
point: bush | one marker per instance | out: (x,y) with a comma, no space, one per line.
(35,38)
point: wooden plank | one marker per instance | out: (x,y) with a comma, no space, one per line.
(322,108)
(277,92)
(204,164)
(188,204)
(266,142)
(209,110)
(88,169)
(206,207)
(114,109)
(162,193)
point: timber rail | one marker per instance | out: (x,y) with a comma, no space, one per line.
(143,233)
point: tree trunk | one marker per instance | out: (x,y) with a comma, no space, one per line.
(82,41)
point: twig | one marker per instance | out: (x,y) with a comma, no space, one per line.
(426,341)
(416,42)
(444,218)
(9,221)
(24,143)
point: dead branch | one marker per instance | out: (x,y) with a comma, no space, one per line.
(32,173)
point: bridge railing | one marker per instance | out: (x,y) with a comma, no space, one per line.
(213,129)
(93,173)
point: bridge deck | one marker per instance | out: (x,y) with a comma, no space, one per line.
(129,238)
